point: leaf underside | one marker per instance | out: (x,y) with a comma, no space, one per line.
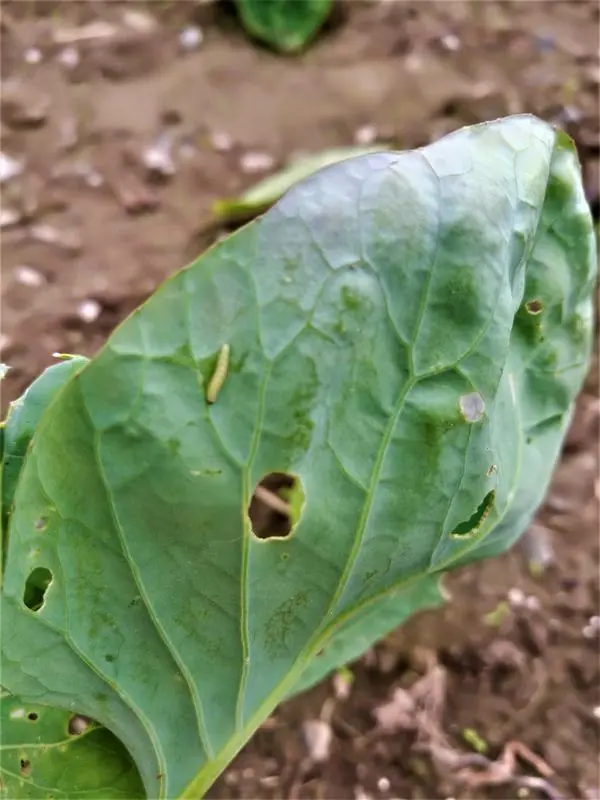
(364,313)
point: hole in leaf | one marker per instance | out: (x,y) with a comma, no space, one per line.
(32,716)
(474,523)
(35,588)
(25,766)
(276,505)
(534,306)
(78,724)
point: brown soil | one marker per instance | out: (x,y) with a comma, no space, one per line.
(93,226)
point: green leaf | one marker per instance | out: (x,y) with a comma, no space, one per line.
(384,349)
(257,199)
(362,630)
(285,25)
(47,752)
(23,417)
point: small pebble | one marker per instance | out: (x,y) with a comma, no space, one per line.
(532,603)
(8,217)
(93,179)
(191,38)
(317,736)
(138,20)
(269,781)
(158,159)
(9,167)
(254,161)
(365,135)
(48,234)
(33,55)
(383,785)
(451,42)
(29,277)
(596,712)
(69,57)
(516,597)
(221,141)
(89,310)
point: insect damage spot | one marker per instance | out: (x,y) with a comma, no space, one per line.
(32,716)
(36,586)
(276,506)
(40,524)
(470,526)
(472,406)
(25,766)
(78,724)
(534,306)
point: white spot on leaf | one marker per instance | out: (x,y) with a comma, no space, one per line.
(472,406)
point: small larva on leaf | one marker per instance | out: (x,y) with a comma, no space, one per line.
(219,375)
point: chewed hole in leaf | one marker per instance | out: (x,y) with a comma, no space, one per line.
(78,724)
(35,588)
(32,716)
(470,526)
(276,506)
(25,766)
(534,306)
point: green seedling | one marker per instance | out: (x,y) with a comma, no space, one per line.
(475,741)
(496,616)
(284,25)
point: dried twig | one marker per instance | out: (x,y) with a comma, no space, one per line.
(272,500)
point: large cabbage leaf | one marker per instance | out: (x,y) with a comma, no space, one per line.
(407,333)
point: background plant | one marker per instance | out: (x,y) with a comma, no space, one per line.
(285,25)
